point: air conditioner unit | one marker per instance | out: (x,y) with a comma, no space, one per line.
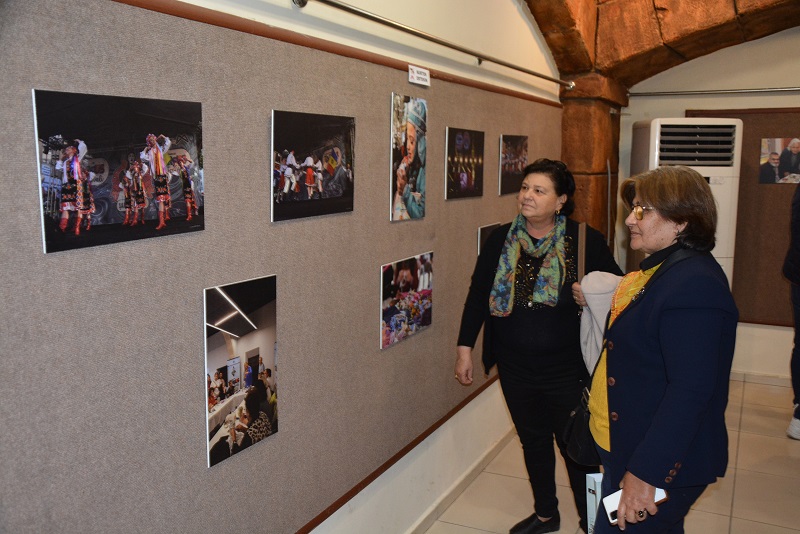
(712,147)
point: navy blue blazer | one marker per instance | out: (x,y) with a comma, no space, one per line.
(669,357)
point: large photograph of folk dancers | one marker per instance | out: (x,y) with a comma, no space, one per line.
(409,127)
(406,298)
(115,169)
(513,159)
(241,366)
(780,160)
(313,171)
(464,164)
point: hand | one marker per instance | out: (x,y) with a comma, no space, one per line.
(637,495)
(577,294)
(402,179)
(464,365)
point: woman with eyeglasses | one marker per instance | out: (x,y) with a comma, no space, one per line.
(522,294)
(660,389)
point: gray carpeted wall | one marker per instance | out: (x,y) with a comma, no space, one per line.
(102,396)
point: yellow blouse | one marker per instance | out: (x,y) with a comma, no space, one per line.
(630,285)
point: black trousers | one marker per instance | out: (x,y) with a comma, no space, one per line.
(540,404)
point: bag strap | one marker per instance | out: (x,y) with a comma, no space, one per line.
(581,250)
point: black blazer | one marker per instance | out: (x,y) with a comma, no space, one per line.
(476,307)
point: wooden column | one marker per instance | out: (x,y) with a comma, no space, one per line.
(590,146)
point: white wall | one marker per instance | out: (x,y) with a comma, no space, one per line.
(770,62)
(504,29)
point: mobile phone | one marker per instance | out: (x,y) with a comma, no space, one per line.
(611,503)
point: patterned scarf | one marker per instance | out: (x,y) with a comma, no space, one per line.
(551,274)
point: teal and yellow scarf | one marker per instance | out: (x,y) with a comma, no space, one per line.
(551,274)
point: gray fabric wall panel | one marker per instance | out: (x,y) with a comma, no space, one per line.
(103,404)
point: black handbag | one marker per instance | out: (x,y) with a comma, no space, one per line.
(577,436)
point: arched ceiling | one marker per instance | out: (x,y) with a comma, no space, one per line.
(631,40)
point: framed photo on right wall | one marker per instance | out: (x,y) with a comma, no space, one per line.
(780,160)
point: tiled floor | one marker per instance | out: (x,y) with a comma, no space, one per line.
(757,496)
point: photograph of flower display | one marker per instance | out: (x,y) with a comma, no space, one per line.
(406,298)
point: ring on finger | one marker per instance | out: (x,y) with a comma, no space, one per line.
(640,513)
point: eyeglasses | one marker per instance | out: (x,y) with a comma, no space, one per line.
(638,211)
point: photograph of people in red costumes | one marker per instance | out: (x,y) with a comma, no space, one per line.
(115,169)
(312,164)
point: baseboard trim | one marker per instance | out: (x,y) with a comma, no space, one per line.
(767,380)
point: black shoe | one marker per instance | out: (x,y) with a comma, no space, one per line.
(532,525)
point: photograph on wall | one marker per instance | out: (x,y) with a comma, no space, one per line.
(241,367)
(780,160)
(463,164)
(406,298)
(312,164)
(114,169)
(513,160)
(484,232)
(409,127)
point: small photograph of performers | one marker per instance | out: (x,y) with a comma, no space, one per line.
(409,128)
(513,159)
(115,169)
(406,298)
(464,164)
(241,366)
(312,164)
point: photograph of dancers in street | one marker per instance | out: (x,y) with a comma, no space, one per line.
(312,164)
(241,366)
(464,164)
(406,298)
(115,169)
(513,159)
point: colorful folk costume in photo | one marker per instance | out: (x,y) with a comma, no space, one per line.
(138,201)
(76,195)
(183,164)
(154,155)
(125,186)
